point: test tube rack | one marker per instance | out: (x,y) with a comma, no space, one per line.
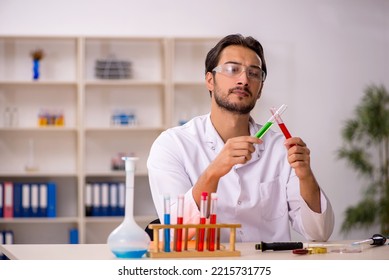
(156,251)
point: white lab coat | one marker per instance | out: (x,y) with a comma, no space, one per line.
(262,195)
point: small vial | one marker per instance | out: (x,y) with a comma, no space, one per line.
(123,118)
(59,118)
(42,118)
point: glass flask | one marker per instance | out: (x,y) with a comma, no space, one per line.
(129,240)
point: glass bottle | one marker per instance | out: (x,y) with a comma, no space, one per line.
(129,240)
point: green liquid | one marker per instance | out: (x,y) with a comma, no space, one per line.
(263,130)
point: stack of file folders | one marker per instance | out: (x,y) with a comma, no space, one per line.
(27,200)
(105,199)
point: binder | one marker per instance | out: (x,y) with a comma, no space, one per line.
(18,210)
(96,201)
(73,236)
(8,237)
(51,200)
(1,200)
(26,200)
(2,241)
(42,209)
(113,200)
(122,198)
(88,200)
(104,199)
(34,200)
(8,207)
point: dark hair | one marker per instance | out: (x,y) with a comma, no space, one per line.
(213,55)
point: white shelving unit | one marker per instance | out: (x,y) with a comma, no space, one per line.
(166,87)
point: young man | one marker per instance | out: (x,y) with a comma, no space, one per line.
(264,185)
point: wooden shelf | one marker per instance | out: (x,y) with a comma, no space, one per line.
(167,75)
(22,83)
(59,220)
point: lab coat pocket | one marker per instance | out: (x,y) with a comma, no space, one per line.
(273,204)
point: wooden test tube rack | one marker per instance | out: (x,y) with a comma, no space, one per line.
(187,252)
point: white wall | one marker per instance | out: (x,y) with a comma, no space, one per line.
(321,55)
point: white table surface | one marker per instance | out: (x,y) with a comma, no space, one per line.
(102,252)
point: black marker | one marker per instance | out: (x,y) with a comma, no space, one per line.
(279,246)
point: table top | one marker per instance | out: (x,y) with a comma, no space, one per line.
(247,250)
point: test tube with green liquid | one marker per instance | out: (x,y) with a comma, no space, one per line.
(270,122)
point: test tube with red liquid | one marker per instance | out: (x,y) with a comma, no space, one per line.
(180,221)
(260,133)
(203,217)
(280,123)
(212,220)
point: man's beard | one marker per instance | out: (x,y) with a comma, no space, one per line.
(241,109)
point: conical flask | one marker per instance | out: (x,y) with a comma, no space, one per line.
(129,240)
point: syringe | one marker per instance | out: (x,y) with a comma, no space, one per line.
(270,121)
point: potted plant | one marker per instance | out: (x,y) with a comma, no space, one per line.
(366,149)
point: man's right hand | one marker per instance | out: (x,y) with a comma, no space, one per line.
(237,150)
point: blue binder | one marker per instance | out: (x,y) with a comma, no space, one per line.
(73,236)
(18,211)
(51,200)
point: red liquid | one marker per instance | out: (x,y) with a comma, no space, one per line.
(284,130)
(180,220)
(212,233)
(201,236)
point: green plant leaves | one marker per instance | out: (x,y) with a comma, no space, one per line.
(361,215)
(366,150)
